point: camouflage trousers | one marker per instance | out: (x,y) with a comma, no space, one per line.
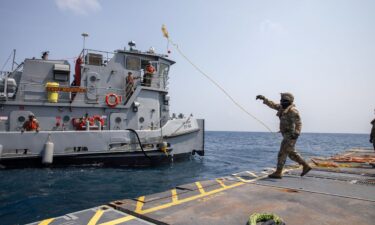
(287,150)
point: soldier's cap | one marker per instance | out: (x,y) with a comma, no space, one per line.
(287,96)
(31,115)
(130,73)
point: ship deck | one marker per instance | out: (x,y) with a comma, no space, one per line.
(332,193)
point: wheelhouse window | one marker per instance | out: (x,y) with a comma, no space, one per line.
(164,69)
(133,63)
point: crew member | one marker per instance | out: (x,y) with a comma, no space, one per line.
(372,135)
(290,128)
(31,125)
(149,72)
(45,55)
(130,86)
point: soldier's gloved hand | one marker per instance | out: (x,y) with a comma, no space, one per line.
(294,136)
(370,140)
(261,97)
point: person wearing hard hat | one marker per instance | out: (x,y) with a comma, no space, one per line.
(149,72)
(290,128)
(372,135)
(31,125)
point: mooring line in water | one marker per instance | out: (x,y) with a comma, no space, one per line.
(166,35)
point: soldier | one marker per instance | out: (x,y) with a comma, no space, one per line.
(372,135)
(31,125)
(290,128)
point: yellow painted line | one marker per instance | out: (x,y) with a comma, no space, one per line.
(140,203)
(243,180)
(191,198)
(96,217)
(251,173)
(174,195)
(221,182)
(118,221)
(178,202)
(200,188)
(46,222)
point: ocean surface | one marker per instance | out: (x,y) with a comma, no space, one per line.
(28,195)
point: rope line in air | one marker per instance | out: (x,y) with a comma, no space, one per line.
(165,34)
(6,62)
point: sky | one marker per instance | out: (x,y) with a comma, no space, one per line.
(321,51)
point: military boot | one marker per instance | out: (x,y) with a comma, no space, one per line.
(306,168)
(276,175)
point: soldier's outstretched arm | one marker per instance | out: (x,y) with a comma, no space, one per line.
(268,102)
(271,104)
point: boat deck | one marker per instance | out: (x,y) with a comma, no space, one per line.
(340,192)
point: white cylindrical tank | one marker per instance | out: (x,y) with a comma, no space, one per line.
(47,157)
(1,150)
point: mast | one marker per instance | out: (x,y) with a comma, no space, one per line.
(14,56)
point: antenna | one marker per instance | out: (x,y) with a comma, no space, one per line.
(131,45)
(14,57)
(84,35)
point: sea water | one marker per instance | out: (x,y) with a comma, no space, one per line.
(28,195)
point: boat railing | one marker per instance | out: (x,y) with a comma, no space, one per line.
(36,92)
(157,82)
(4,73)
(96,57)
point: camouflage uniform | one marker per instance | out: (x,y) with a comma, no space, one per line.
(290,125)
(372,135)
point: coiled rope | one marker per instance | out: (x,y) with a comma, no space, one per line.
(166,35)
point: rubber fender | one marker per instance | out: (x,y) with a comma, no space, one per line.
(47,157)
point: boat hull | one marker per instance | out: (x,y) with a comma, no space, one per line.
(118,159)
(95,148)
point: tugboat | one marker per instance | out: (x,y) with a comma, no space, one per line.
(101,117)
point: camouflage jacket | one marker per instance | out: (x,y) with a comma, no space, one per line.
(290,121)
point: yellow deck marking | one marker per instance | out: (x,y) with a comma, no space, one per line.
(96,217)
(174,195)
(200,188)
(221,182)
(252,174)
(118,221)
(178,202)
(46,222)
(191,198)
(243,180)
(140,203)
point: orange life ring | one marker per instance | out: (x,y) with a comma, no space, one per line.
(111,103)
(97,118)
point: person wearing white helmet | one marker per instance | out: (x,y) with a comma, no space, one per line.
(31,125)
(290,128)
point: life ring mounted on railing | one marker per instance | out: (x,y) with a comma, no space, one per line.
(97,118)
(112,99)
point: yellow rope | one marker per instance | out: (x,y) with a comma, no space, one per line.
(166,35)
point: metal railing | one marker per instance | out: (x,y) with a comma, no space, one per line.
(105,56)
